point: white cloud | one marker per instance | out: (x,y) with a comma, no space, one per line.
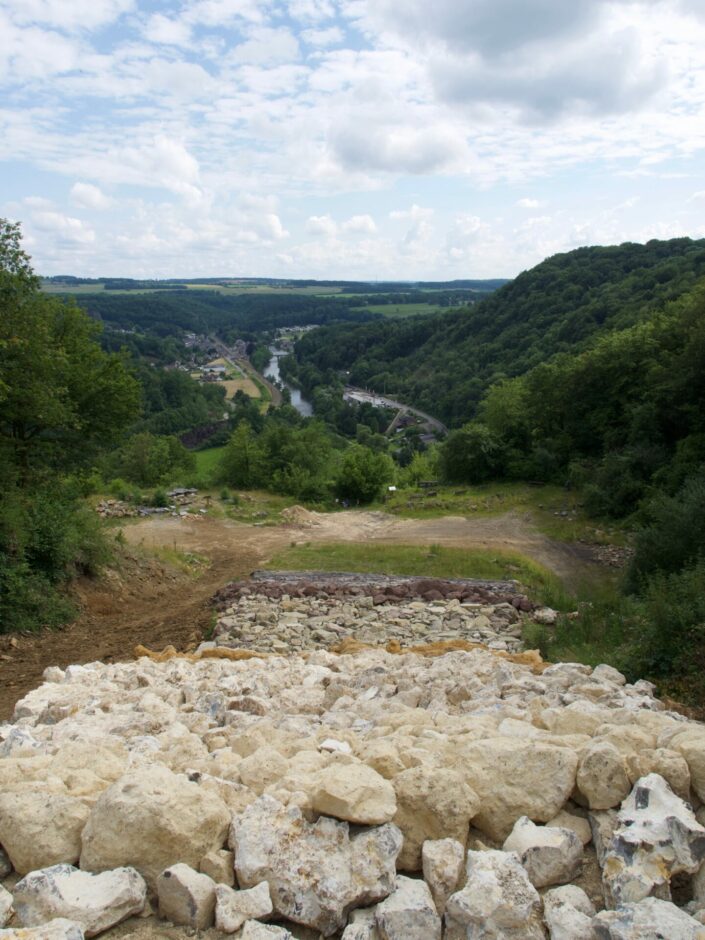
(360,223)
(67,15)
(310,10)
(65,227)
(321,225)
(267,47)
(528,203)
(322,38)
(88,196)
(166,30)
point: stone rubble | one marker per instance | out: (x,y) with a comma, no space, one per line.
(186,897)
(58,929)
(280,616)
(550,855)
(97,902)
(233,908)
(368,795)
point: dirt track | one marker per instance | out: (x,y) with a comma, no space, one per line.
(150,604)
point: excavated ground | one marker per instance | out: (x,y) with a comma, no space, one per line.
(146,602)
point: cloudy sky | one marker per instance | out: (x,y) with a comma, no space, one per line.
(347,138)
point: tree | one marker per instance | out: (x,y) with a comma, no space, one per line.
(62,394)
(363,473)
(471,455)
(243,461)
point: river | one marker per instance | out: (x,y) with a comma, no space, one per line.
(272,373)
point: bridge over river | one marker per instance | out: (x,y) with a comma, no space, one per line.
(380,401)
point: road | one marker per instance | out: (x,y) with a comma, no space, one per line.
(359,394)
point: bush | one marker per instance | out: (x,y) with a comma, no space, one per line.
(46,538)
(159,499)
(672,535)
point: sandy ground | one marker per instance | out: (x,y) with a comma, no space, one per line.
(146,602)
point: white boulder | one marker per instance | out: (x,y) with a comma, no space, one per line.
(516,778)
(362,925)
(408,913)
(186,897)
(432,803)
(219,865)
(58,929)
(151,818)
(253,930)
(657,836)
(355,793)
(550,855)
(317,872)
(442,864)
(650,919)
(233,908)
(602,775)
(498,901)
(579,825)
(97,902)
(40,829)
(568,913)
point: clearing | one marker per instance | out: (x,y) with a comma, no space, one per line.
(147,601)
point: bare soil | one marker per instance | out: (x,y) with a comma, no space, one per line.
(144,601)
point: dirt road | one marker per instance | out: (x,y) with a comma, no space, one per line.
(146,602)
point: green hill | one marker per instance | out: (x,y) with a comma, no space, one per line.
(444,364)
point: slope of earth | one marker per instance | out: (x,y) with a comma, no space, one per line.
(150,603)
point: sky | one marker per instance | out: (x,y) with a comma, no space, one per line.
(361,139)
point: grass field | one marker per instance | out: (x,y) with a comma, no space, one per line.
(555,511)
(206,464)
(393,311)
(434,561)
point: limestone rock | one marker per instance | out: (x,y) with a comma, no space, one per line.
(432,803)
(220,866)
(568,913)
(602,825)
(58,929)
(580,826)
(550,855)
(657,836)
(545,615)
(514,778)
(408,913)
(362,925)
(671,765)
(442,865)
(151,818)
(39,829)
(650,919)
(186,897)
(691,744)
(233,908)
(602,776)
(5,906)
(263,768)
(253,930)
(498,901)
(97,902)
(355,793)
(317,872)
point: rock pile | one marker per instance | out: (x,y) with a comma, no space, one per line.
(287,611)
(369,796)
